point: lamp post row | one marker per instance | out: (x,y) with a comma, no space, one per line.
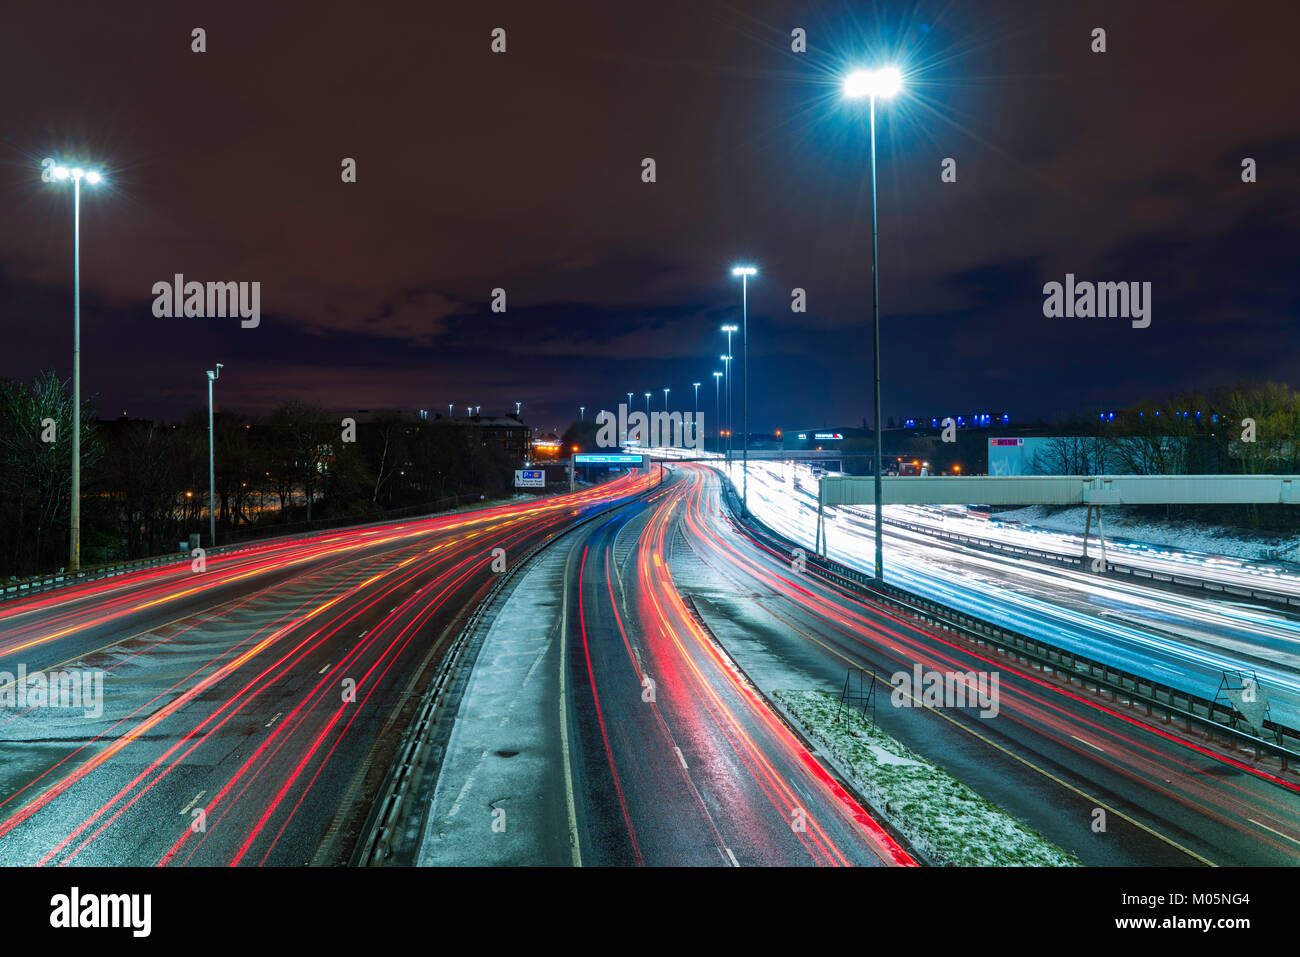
(870,84)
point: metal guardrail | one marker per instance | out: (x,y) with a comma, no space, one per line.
(1215,716)
(276,533)
(36,586)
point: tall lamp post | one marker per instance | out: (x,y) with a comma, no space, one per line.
(582,413)
(727,358)
(647,407)
(695,427)
(726,366)
(881,83)
(744,272)
(717,408)
(213,376)
(53,171)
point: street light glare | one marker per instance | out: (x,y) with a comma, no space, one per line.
(744,271)
(62,173)
(882,83)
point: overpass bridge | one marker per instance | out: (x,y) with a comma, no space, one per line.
(1063,490)
(756,455)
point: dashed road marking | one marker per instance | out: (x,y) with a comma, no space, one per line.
(1274,830)
(193,801)
(1088,743)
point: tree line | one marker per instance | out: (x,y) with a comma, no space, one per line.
(1242,429)
(144,484)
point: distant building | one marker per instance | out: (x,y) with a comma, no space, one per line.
(506,431)
(546,445)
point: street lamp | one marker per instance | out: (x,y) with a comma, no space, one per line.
(665,400)
(449,411)
(880,83)
(582,413)
(695,428)
(717,413)
(647,404)
(212,471)
(744,272)
(518,405)
(52,171)
(726,365)
(729,330)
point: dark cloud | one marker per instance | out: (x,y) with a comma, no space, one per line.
(522,171)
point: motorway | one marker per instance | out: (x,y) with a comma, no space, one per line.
(1274,577)
(1053,754)
(671,591)
(1184,641)
(665,752)
(250,708)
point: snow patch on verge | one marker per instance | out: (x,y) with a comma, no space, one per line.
(1122,522)
(942,818)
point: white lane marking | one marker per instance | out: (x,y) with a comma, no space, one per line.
(1274,830)
(276,718)
(529,677)
(564,721)
(195,800)
(681,758)
(323,670)
(469,780)
(734,862)
(1088,743)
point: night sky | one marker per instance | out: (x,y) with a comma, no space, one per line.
(522,170)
